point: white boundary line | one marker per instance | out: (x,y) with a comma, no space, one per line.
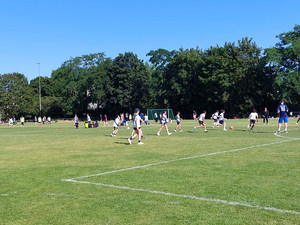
(5,194)
(287,139)
(189,196)
(292,138)
(180,159)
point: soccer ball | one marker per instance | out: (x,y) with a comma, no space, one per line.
(231,127)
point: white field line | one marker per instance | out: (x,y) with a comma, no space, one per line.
(188,196)
(56,194)
(75,180)
(6,194)
(185,158)
(291,138)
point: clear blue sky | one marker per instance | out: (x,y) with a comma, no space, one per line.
(50,32)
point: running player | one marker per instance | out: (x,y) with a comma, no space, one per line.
(283,116)
(222,119)
(115,125)
(298,119)
(202,122)
(253,117)
(164,121)
(137,130)
(215,118)
(177,117)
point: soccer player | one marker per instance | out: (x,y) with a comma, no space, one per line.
(146,119)
(222,119)
(298,119)
(88,118)
(194,115)
(177,117)
(283,116)
(40,120)
(115,125)
(202,122)
(10,122)
(164,121)
(155,117)
(76,123)
(266,115)
(22,120)
(105,121)
(253,117)
(137,130)
(215,118)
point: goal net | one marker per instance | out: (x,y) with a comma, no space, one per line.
(151,112)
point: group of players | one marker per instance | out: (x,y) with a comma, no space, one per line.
(137,121)
(219,120)
(282,111)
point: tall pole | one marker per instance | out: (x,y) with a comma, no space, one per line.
(40,89)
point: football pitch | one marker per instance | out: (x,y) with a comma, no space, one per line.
(85,176)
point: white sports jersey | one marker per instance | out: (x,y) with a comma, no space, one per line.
(221,117)
(164,118)
(177,118)
(202,117)
(253,116)
(116,122)
(215,115)
(136,121)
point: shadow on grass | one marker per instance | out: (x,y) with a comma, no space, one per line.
(121,143)
(254,131)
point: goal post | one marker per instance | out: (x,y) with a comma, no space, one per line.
(151,112)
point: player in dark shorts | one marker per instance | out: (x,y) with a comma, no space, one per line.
(177,117)
(266,115)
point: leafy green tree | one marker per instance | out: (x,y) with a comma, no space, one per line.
(181,84)
(282,62)
(75,82)
(128,85)
(15,95)
(228,77)
(159,59)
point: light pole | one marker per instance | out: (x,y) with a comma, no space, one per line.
(40,89)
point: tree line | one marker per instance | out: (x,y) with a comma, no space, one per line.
(236,77)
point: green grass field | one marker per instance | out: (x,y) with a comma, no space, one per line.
(68,176)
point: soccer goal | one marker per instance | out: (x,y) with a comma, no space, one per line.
(151,112)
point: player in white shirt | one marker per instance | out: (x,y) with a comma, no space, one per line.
(202,122)
(177,117)
(253,117)
(164,121)
(222,119)
(115,126)
(137,130)
(215,118)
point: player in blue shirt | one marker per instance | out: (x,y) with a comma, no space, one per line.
(282,110)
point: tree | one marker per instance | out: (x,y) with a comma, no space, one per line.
(128,85)
(159,59)
(282,61)
(75,82)
(228,77)
(15,95)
